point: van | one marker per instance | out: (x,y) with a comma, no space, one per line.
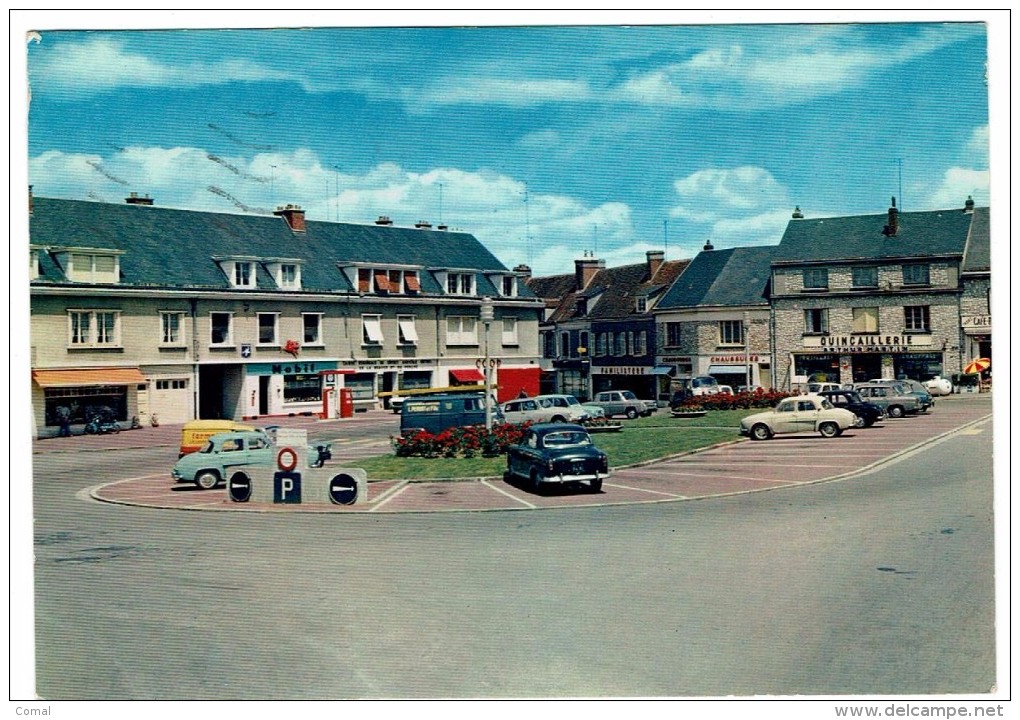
(435,413)
(195,434)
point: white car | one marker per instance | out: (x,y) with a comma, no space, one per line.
(805,413)
(939,386)
(525,409)
(567,408)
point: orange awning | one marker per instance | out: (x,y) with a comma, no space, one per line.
(470,375)
(90,376)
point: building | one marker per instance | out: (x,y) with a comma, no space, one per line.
(715,318)
(880,296)
(180,314)
(599,332)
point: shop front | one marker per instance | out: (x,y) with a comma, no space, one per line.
(740,369)
(645,381)
(858,358)
(78,395)
(283,388)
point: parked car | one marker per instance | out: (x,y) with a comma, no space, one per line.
(890,398)
(939,386)
(725,390)
(803,413)
(529,409)
(560,453)
(819,387)
(195,434)
(435,413)
(567,408)
(866,414)
(624,402)
(912,387)
(594,411)
(207,468)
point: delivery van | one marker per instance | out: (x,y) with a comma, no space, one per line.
(196,433)
(435,413)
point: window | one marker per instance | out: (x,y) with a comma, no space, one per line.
(408,332)
(916,318)
(244,274)
(642,346)
(220,328)
(93,328)
(33,265)
(395,278)
(583,340)
(673,334)
(865,320)
(610,343)
(94,268)
(731,332)
(178,384)
(864,277)
(600,344)
(461,330)
(641,304)
(411,283)
(916,275)
(509,286)
(364,280)
(267,328)
(565,344)
(816,279)
(509,331)
(621,344)
(371,330)
(312,324)
(290,276)
(816,321)
(460,284)
(171,328)
(548,344)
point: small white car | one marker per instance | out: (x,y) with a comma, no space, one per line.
(939,386)
(525,409)
(566,407)
(805,413)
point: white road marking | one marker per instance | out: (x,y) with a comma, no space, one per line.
(504,492)
(389,495)
(654,492)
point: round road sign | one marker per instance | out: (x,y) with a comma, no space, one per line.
(290,462)
(239,487)
(343,489)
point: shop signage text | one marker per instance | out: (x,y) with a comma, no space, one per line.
(726,359)
(368,364)
(868,343)
(621,370)
(977,321)
(293,368)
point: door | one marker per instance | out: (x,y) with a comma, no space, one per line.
(263,394)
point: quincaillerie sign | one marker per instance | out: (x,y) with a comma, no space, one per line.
(868,343)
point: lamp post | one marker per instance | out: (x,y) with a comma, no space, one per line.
(487,316)
(747,351)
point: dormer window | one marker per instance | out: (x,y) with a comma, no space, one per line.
(288,276)
(460,283)
(508,286)
(384,280)
(641,304)
(92,266)
(33,265)
(244,274)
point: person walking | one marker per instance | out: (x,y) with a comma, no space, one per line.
(64,417)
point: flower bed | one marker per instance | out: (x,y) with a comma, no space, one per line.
(740,401)
(466,442)
(601,425)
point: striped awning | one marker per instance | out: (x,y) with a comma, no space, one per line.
(89,376)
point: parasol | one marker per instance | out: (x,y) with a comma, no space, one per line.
(977,365)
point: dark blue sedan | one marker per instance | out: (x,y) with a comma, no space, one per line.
(557,453)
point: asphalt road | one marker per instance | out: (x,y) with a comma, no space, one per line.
(881,584)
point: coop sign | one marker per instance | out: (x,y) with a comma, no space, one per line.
(868,343)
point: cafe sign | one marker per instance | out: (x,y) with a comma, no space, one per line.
(868,343)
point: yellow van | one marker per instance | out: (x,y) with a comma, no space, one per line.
(195,433)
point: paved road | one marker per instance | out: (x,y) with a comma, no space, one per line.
(736,467)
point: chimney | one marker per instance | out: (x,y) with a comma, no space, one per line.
(968,207)
(133,199)
(524,271)
(797,214)
(654,259)
(294,216)
(894,221)
(708,246)
(423,225)
(442,227)
(585,269)
(384,220)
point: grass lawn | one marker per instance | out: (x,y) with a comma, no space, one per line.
(640,440)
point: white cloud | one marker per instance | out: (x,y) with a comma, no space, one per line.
(711,194)
(977,147)
(515,92)
(105,64)
(959,183)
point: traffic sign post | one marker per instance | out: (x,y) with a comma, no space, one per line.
(343,489)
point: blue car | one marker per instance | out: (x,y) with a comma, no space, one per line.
(557,453)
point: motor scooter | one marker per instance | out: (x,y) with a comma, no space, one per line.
(323,453)
(101,425)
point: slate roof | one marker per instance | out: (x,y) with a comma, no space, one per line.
(978,255)
(720,278)
(857,237)
(172,248)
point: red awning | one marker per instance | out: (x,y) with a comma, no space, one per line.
(468,375)
(90,376)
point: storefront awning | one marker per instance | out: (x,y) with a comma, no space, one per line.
(91,376)
(727,369)
(468,375)
(664,370)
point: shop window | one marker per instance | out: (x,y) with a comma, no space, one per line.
(864,277)
(461,330)
(371,330)
(917,274)
(220,329)
(731,332)
(267,328)
(916,318)
(816,321)
(312,328)
(93,328)
(79,404)
(816,279)
(865,320)
(302,388)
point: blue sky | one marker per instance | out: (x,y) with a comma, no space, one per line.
(545,142)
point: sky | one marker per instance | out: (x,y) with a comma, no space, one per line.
(546,142)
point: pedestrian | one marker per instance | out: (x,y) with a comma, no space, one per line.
(522,394)
(64,417)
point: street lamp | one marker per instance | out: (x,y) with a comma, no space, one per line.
(487,316)
(747,351)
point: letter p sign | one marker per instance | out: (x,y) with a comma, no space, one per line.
(287,487)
